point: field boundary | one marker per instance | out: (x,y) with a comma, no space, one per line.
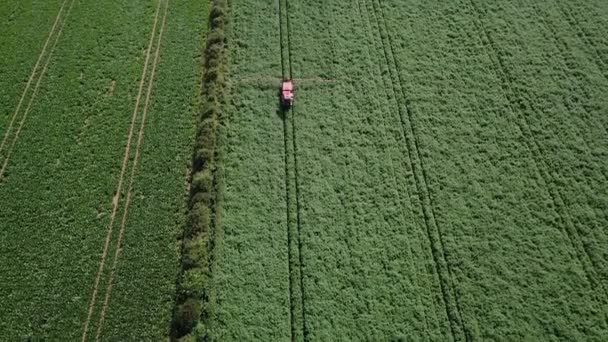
(133,173)
(559,206)
(442,266)
(191,318)
(118,192)
(36,87)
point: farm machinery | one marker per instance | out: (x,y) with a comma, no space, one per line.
(285,85)
(287,90)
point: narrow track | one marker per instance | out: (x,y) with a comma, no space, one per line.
(117,194)
(375,58)
(580,82)
(287,73)
(434,234)
(571,70)
(595,55)
(36,88)
(568,62)
(32,75)
(132,177)
(288,195)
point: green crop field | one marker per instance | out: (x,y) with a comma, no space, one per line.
(62,169)
(442,174)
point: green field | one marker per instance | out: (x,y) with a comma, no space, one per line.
(442,174)
(56,194)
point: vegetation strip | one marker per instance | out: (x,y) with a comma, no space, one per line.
(193,306)
(518,101)
(132,178)
(35,91)
(116,199)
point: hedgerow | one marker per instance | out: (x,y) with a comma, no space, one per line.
(192,302)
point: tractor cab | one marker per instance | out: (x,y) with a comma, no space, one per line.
(287,93)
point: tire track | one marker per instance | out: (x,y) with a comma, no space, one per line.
(33,74)
(571,70)
(293,305)
(34,93)
(515,100)
(283,70)
(371,44)
(442,267)
(116,198)
(284,17)
(374,56)
(297,186)
(595,54)
(288,38)
(299,224)
(569,65)
(133,173)
(288,193)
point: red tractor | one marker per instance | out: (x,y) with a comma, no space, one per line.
(287,93)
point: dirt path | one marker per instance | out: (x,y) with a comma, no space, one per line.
(116,198)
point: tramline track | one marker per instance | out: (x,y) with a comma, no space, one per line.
(15,128)
(295,259)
